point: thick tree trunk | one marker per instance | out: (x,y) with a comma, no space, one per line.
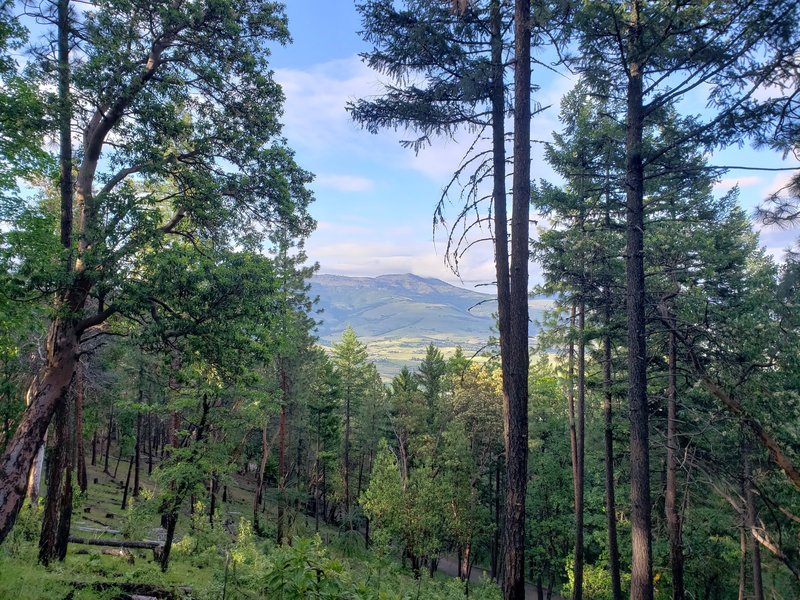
(641,518)
(500,223)
(28,438)
(58,455)
(673,516)
(516,406)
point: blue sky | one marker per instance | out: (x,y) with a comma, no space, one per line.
(374,199)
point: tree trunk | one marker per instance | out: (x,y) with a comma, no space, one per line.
(150,435)
(124,504)
(259,493)
(500,222)
(45,396)
(673,516)
(108,438)
(137,449)
(516,405)
(580,480)
(80,455)
(281,473)
(611,502)
(94,447)
(742,562)
(346,455)
(641,518)
(751,520)
(212,505)
(56,466)
(497,524)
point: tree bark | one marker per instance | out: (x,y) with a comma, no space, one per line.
(516,405)
(58,455)
(641,518)
(80,454)
(45,396)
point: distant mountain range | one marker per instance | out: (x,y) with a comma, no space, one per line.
(397,316)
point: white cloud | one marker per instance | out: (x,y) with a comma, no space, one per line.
(345,183)
(314,113)
(723,185)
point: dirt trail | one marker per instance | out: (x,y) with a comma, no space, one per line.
(449,566)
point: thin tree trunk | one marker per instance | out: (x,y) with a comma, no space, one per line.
(751,520)
(212,505)
(742,562)
(281,473)
(119,456)
(137,451)
(580,439)
(124,504)
(94,447)
(673,516)
(346,456)
(611,503)
(150,435)
(577,567)
(108,438)
(259,494)
(641,518)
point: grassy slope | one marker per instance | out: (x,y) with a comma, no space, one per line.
(87,573)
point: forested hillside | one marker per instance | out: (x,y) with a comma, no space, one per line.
(397,316)
(180,419)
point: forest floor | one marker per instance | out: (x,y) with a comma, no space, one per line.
(449,566)
(95,572)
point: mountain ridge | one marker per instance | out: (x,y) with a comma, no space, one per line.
(397,315)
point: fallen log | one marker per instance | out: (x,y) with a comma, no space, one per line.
(156,547)
(146,545)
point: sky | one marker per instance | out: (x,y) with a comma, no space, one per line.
(375,199)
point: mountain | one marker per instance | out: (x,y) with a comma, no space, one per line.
(397,316)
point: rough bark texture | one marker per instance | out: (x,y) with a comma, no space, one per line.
(641,518)
(21,450)
(516,406)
